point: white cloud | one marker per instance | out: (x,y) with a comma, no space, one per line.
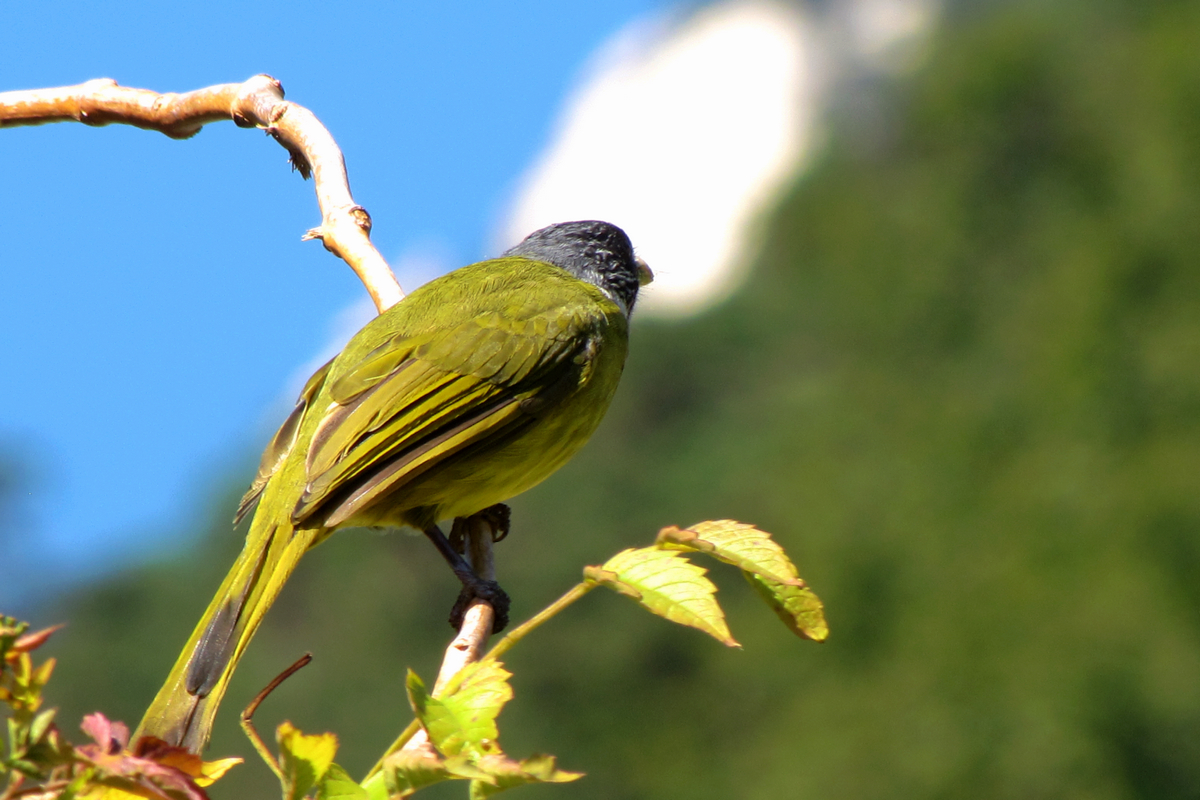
(681,132)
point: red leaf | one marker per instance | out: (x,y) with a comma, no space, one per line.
(32,641)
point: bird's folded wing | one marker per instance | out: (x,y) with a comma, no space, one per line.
(413,402)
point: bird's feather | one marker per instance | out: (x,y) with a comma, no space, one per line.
(414,402)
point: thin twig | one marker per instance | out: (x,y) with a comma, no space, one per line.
(401,740)
(248,713)
(258,102)
(524,629)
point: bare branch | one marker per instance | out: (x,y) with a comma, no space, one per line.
(248,713)
(345,226)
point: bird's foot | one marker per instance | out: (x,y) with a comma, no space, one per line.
(488,591)
(499,517)
(473,586)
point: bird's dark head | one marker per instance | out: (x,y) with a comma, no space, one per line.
(597,252)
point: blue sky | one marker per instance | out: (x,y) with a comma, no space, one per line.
(156,294)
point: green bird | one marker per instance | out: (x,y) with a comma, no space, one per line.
(474,388)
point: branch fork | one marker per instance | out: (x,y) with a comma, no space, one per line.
(255,103)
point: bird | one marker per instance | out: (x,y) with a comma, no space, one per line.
(472,389)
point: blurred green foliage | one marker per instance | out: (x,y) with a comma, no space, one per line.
(962,388)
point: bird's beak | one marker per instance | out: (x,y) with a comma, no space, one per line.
(645,274)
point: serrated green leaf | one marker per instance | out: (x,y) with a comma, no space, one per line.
(464,720)
(504,773)
(406,771)
(798,606)
(736,543)
(336,784)
(418,696)
(667,584)
(304,759)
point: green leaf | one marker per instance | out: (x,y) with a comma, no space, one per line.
(667,584)
(336,784)
(765,565)
(504,773)
(736,543)
(40,725)
(406,771)
(376,786)
(27,768)
(41,676)
(304,759)
(213,771)
(465,766)
(17,734)
(798,606)
(464,720)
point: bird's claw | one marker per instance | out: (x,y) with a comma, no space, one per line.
(488,591)
(499,517)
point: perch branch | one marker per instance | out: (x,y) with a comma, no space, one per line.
(257,103)
(476,627)
(467,646)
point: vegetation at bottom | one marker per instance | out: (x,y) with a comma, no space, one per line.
(459,719)
(961,387)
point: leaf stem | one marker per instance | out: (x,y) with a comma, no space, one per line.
(524,629)
(401,740)
(501,647)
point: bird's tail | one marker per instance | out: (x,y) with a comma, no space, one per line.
(183,712)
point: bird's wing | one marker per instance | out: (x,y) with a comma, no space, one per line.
(415,401)
(281,445)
